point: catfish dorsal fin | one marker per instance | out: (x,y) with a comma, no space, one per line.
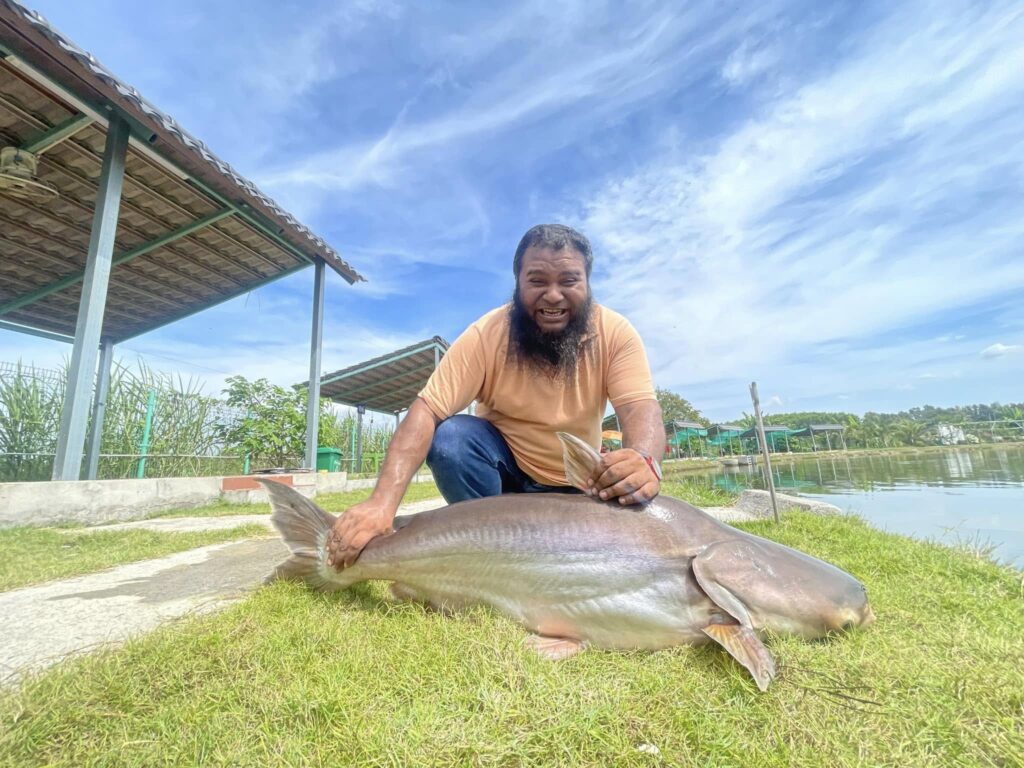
(580,459)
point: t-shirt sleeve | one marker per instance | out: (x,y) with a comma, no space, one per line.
(458,378)
(629,373)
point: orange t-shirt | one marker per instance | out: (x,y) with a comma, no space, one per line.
(528,408)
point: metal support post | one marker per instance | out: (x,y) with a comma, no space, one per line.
(764,448)
(360,410)
(99,407)
(315,345)
(67,464)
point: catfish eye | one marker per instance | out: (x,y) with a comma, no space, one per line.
(849,625)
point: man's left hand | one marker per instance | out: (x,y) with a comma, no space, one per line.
(625,475)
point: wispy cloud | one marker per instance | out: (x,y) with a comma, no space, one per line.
(844,208)
(999,350)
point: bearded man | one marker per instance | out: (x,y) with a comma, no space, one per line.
(547,362)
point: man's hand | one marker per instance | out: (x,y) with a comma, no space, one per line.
(626,475)
(354,530)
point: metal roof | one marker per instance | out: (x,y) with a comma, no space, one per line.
(817,429)
(191,231)
(725,429)
(388,383)
(681,424)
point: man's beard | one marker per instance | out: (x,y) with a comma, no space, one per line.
(553,354)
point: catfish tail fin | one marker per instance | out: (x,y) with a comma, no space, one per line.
(304,528)
(580,459)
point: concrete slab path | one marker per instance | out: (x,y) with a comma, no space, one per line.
(46,623)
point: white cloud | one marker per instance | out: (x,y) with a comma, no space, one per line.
(999,350)
(565,77)
(836,214)
(748,62)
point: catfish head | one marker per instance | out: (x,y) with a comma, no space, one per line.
(765,585)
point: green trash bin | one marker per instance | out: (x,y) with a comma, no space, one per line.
(328,459)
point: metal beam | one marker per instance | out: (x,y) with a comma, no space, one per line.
(142,139)
(425,347)
(352,392)
(315,345)
(412,389)
(67,464)
(127,256)
(31,331)
(219,300)
(99,408)
(54,136)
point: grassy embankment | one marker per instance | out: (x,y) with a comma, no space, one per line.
(902,450)
(290,677)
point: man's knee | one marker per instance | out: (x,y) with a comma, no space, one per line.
(452,436)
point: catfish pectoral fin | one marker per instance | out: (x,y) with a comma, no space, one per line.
(580,459)
(553,648)
(746,647)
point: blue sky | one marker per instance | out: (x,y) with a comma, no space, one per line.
(827,198)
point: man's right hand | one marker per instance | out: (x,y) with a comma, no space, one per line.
(354,530)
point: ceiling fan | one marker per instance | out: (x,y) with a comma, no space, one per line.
(18,176)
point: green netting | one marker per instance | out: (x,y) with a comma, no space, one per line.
(683,435)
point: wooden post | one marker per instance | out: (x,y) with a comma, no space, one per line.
(764,448)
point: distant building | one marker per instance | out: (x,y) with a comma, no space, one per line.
(950,435)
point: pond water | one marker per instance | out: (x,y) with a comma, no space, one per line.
(974,495)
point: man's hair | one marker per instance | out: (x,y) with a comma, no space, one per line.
(556,237)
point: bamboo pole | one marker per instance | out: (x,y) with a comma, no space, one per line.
(764,448)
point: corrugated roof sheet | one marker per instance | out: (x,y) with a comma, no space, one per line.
(387,383)
(29,34)
(173,184)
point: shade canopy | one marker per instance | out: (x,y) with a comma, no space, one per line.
(190,233)
(388,383)
(817,429)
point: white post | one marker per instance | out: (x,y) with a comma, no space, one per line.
(764,448)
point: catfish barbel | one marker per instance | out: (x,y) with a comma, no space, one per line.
(578,572)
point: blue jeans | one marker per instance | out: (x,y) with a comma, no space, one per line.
(470,459)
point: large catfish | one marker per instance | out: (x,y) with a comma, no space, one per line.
(580,572)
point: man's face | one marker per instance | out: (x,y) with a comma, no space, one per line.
(552,287)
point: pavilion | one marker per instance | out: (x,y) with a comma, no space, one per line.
(116,221)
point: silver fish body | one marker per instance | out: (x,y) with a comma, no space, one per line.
(591,572)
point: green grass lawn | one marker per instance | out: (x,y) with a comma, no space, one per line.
(35,555)
(290,677)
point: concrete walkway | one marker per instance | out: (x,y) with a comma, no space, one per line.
(44,624)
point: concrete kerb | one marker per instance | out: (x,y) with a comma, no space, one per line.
(93,502)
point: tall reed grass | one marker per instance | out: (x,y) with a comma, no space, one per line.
(185,435)
(183,441)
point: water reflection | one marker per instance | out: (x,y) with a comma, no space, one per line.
(954,495)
